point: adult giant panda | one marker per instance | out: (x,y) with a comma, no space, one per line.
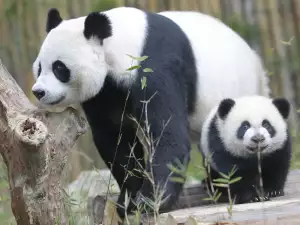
(196,61)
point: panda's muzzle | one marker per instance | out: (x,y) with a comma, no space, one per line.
(57,101)
(257,148)
(258,138)
(257,141)
(39,93)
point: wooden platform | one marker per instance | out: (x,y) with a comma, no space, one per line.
(278,211)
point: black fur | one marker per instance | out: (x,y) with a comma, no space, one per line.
(39,69)
(275,168)
(225,107)
(283,106)
(97,24)
(173,83)
(61,71)
(266,124)
(242,129)
(53,19)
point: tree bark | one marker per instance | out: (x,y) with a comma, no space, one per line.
(34,144)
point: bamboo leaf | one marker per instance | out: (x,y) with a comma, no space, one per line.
(218,196)
(177,179)
(140,59)
(133,68)
(144,82)
(235,180)
(224,175)
(173,168)
(221,185)
(148,70)
(221,180)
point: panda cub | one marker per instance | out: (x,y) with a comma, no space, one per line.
(232,134)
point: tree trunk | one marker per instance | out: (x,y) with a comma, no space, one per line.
(34,145)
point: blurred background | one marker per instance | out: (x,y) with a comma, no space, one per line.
(271,27)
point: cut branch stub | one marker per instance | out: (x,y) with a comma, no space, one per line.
(30,131)
(35,144)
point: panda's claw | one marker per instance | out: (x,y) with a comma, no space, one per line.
(260,199)
(275,193)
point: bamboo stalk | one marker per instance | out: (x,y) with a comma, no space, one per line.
(215,8)
(287,86)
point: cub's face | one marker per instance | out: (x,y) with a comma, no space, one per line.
(252,124)
(255,135)
(70,67)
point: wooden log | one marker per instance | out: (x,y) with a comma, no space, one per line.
(34,145)
(192,208)
(278,211)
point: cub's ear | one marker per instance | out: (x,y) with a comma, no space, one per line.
(98,25)
(283,106)
(224,107)
(53,19)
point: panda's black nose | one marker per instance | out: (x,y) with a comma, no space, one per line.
(258,138)
(38,93)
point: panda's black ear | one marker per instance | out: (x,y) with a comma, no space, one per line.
(53,19)
(97,24)
(225,107)
(283,106)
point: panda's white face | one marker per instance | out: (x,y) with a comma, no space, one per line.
(252,124)
(77,54)
(69,68)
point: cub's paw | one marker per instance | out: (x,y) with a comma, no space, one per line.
(260,199)
(245,197)
(275,193)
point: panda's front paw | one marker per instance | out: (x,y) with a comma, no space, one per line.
(275,193)
(260,199)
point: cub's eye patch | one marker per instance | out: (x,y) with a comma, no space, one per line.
(267,125)
(245,125)
(61,71)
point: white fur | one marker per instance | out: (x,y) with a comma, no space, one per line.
(88,60)
(226,65)
(253,109)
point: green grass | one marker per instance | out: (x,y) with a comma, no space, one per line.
(195,163)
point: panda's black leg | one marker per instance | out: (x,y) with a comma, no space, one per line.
(275,171)
(169,134)
(125,166)
(274,179)
(246,193)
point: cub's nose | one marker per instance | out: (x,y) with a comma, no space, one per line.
(39,93)
(258,138)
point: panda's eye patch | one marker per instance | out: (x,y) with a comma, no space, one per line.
(245,125)
(60,71)
(39,69)
(267,125)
